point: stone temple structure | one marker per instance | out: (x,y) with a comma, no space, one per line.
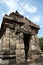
(18,36)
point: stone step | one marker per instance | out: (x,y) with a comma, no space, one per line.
(7,56)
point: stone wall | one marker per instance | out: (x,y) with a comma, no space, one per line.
(14,43)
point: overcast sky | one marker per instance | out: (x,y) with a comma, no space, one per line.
(32,9)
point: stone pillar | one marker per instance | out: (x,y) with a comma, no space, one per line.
(5,40)
(0,44)
(37,43)
(33,46)
(20,52)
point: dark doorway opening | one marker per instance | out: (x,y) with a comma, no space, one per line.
(26,43)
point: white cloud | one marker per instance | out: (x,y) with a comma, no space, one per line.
(11,4)
(1,17)
(36,19)
(14,5)
(20,6)
(30,8)
(41,26)
(2,14)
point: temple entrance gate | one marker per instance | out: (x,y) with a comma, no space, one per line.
(26,44)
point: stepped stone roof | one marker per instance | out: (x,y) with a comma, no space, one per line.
(16,17)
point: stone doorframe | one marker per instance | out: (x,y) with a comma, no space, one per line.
(26,38)
(31,44)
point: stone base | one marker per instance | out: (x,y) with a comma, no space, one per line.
(33,55)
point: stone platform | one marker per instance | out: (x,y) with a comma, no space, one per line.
(30,62)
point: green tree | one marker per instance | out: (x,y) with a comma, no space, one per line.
(41,43)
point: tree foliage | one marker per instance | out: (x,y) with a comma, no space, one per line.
(41,43)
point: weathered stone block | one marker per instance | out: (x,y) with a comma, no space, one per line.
(17,52)
(35,57)
(20,55)
(17,46)
(12,61)
(22,45)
